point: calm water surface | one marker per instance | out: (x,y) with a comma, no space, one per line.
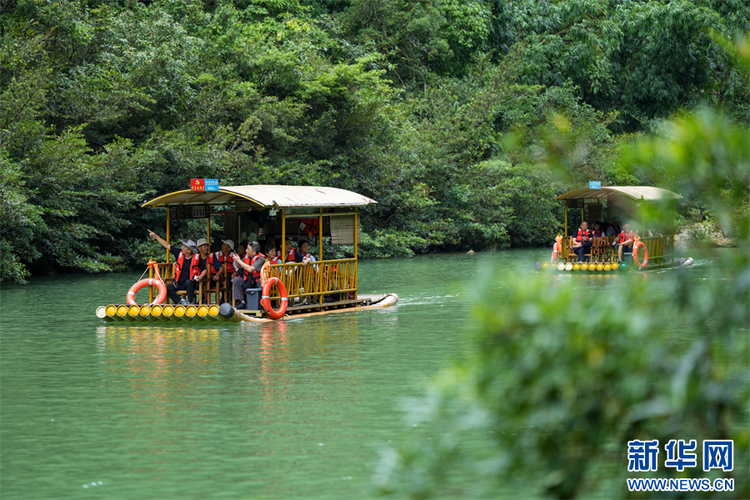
(295,409)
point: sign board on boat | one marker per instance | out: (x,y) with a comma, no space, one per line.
(595,184)
(204,184)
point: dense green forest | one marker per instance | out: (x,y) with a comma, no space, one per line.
(446,112)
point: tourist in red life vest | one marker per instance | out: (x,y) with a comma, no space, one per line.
(293,255)
(304,249)
(273,259)
(271,255)
(186,268)
(225,256)
(582,240)
(203,258)
(251,264)
(597,231)
(624,241)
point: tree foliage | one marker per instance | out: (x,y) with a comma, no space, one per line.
(557,382)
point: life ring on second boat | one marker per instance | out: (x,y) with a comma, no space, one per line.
(265,299)
(159,284)
(638,244)
(556,249)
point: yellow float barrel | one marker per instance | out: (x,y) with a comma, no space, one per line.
(213,312)
(122,312)
(168,311)
(156,311)
(111,311)
(191,312)
(145,311)
(179,311)
(134,312)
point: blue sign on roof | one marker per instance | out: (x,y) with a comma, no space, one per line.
(212,185)
(592,184)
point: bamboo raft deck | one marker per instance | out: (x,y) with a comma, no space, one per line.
(227,313)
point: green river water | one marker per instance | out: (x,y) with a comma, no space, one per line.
(296,409)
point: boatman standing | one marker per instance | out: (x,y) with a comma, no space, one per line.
(186,268)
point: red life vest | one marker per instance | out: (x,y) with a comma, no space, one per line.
(275,261)
(626,236)
(246,260)
(581,234)
(194,269)
(597,234)
(290,256)
(224,259)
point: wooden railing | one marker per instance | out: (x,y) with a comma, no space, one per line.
(313,281)
(318,279)
(658,248)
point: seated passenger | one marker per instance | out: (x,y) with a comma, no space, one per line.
(203,259)
(293,255)
(582,241)
(184,279)
(251,264)
(597,231)
(271,256)
(304,249)
(225,256)
(223,267)
(624,241)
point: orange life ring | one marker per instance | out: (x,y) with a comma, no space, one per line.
(556,250)
(265,299)
(639,243)
(147,282)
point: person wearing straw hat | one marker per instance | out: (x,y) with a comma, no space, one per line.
(184,278)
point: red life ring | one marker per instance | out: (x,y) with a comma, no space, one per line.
(638,244)
(556,250)
(265,300)
(148,282)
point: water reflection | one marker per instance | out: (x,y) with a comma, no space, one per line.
(164,365)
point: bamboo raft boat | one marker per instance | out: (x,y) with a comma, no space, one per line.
(653,241)
(324,286)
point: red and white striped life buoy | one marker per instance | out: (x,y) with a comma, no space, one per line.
(159,284)
(639,244)
(265,299)
(556,251)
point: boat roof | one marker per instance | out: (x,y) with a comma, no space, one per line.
(648,193)
(265,196)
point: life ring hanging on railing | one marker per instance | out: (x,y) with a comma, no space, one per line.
(556,249)
(638,243)
(159,284)
(265,299)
